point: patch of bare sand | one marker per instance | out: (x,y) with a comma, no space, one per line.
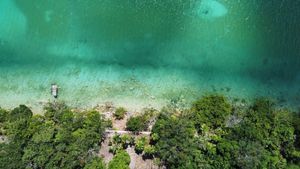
(104,151)
(120,124)
(137,161)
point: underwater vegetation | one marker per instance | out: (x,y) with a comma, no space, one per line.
(210,9)
(94,49)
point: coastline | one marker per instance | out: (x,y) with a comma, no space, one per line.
(131,104)
(86,87)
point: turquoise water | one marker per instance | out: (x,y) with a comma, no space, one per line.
(146,52)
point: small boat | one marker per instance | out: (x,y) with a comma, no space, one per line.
(54,90)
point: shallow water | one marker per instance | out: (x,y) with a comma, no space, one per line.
(145,52)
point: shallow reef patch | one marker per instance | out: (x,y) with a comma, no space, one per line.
(210,9)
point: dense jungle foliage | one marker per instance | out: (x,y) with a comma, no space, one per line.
(214,132)
(59,139)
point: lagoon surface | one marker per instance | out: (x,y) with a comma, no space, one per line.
(146,52)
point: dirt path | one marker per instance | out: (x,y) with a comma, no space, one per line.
(109,132)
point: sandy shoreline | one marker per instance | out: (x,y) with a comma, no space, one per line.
(86,87)
(132,105)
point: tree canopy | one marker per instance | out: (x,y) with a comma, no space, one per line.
(120,161)
(60,139)
(264,137)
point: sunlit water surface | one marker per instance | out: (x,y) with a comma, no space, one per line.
(146,52)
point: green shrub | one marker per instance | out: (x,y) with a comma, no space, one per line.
(142,121)
(3,119)
(114,148)
(54,110)
(136,124)
(95,163)
(120,113)
(21,112)
(140,144)
(3,115)
(293,166)
(154,137)
(175,144)
(117,139)
(120,161)
(60,139)
(264,106)
(211,110)
(108,123)
(119,142)
(296,125)
(149,151)
(127,140)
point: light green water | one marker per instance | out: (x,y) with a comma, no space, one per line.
(145,52)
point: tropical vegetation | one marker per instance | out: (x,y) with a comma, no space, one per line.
(214,132)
